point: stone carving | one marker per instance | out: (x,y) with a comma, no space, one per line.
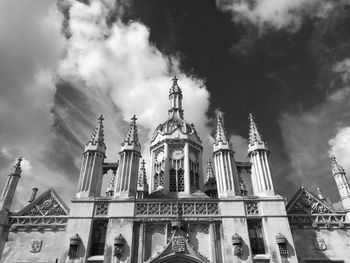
(317,220)
(237,242)
(102,209)
(281,241)
(45,207)
(179,244)
(174,208)
(35,246)
(119,244)
(252,208)
(320,243)
(74,242)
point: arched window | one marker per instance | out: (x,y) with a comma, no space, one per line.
(181,180)
(99,230)
(172,183)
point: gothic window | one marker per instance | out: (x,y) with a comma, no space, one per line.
(176,172)
(156,183)
(172,174)
(181,181)
(191,179)
(197,180)
(256,236)
(98,237)
(161,178)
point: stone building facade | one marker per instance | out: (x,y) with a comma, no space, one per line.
(180,212)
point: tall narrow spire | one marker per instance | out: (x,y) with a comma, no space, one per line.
(175,97)
(320,194)
(336,167)
(210,172)
(10,186)
(220,135)
(342,184)
(132,135)
(258,154)
(17,167)
(254,135)
(142,177)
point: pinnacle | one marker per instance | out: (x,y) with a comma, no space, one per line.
(132,135)
(254,135)
(336,167)
(175,86)
(142,178)
(98,134)
(210,173)
(17,167)
(220,135)
(319,193)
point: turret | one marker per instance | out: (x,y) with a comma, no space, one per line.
(176,153)
(342,183)
(224,163)
(258,154)
(90,179)
(142,185)
(130,154)
(10,187)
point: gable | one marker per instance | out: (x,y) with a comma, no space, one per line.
(305,202)
(47,204)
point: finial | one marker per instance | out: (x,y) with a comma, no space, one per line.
(254,135)
(320,194)
(132,135)
(98,134)
(175,86)
(17,167)
(336,168)
(220,135)
(210,173)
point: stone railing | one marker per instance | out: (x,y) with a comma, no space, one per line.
(318,220)
(29,223)
(177,208)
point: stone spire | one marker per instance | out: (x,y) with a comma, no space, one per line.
(220,135)
(210,172)
(98,134)
(254,135)
(130,153)
(336,167)
(175,97)
(132,136)
(225,166)
(342,183)
(258,154)
(320,194)
(90,179)
(10,186)
(142,177)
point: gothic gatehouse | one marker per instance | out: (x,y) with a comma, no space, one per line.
(184,209)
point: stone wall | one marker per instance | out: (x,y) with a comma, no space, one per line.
(18,247)
(322,244)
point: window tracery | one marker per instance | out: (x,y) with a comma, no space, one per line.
(159,165)
(176,172)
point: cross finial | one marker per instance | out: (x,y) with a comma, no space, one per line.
(175,79)
(100,119)
(134,118)
(19,160)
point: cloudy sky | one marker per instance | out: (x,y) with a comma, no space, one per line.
(64,63)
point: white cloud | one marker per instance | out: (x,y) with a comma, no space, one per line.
(119,63)
(277,14)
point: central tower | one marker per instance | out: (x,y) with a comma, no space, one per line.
(176,152)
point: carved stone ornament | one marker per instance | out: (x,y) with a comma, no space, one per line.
(119,244)
(102,209)
(35,246)
(320,243)
(179,244)
(237,242)
(252,208)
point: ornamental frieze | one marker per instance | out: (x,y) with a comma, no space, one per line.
(176,208)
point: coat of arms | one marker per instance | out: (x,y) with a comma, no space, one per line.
(35,246)
(179,244)
(320,244)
